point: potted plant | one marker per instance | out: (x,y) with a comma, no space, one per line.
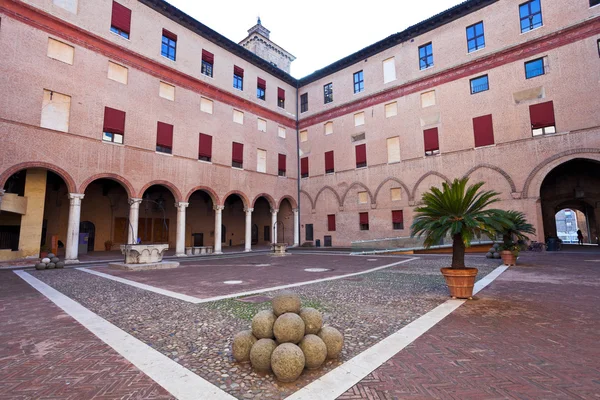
(108,245)
(512,234)
(460,212)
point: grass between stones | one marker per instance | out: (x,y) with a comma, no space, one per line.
(247,311)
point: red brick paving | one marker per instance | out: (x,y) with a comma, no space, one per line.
(532,334)
(45,354)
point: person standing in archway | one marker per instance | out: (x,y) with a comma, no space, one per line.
(579,237)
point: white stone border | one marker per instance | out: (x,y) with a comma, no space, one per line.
(341,379)
(176,379)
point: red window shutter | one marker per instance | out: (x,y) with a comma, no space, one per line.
(237,152)
(261,83)
(208,57)
(121,17)
(280,94)
(205,146)
(114,120)
(170,35)
(431,139)
(238,71)
(363,218)
(483,129)
(304,166)
(329,164)
(542,115)
(361,154)
(164,135)
(282,162)
(397,217)
(331,222)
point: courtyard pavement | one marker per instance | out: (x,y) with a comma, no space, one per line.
(531,334)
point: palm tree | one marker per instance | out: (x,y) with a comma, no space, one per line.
(459,211)
(516,230)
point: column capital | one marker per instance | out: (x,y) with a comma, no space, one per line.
(181,204)
(134,202)
(218,208)
(248,209)
(2,191)
(295,210)
(274,210)
(78,196)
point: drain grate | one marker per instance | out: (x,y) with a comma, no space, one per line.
(317,269)
(254,299)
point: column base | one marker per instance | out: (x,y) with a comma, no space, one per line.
(181,255)
(217,252)
(68,262)
(247,250)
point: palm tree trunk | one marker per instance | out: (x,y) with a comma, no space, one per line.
(458,251)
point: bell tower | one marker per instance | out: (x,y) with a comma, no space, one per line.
(259,43)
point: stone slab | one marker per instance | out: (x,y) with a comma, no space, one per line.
(144,267)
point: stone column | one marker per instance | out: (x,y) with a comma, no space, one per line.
(274,225)
(180,239)
(218,223)
(296,227)
(71,251)
(248,239)
(134,217)
(1,195)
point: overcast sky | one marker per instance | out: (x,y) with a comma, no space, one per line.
(318,33)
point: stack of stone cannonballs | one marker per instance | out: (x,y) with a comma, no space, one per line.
(50,262)
(287,339)
(494,251)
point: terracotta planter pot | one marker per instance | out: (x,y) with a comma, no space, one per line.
(508,258)
(460,281)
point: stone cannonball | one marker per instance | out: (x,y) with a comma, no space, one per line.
(51,256)
(54,259)
(314,349)
(45,260)
(496,255)
(242,344)
(287,362)
(60,264)
(333,339)
(262,324)
(40,266)
(489,255)
(286,302)
(51,265)
(260,354)
(313,320)
(289,328)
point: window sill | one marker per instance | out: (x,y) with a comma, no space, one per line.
(167,58)
(205,162)
(112,143)
(164,154)
(484,147)
(365,167)
(239,169)
(207,76)
(394,162)
(116,34)
(531,30)
(475,51)
(329,173)
(426,69)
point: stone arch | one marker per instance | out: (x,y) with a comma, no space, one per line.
(207,190)
(174,191)
(388,179)
(312,203)
(124,182)
(362,185)
(290,199)
(513,188)
(268,197)
(536,177)
(244,198)
(69,181)
(337,196)
(421,179)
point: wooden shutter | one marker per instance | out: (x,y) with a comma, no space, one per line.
(170,35)
(329,161)
(364,218)
(397,217)
(208,57)
(237,152)
(331,222)
(483,129)
(161,230)
(304,166)
(361,154)
(205,146)
(280,94)
(164,135)
(431,139)
(542,115)
(121,17)
(114,120)
(282,163)
(261,160)
(261,83)
(238,71)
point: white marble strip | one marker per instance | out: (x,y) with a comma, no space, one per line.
(177,380)
(341,379)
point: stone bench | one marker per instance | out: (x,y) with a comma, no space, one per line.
(197,250)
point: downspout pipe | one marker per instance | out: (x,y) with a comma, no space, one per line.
(298,165)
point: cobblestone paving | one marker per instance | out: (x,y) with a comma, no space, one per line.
(45,354)
(366,309)
(533,334)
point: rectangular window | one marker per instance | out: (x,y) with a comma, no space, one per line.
(428,99)
(238,78)
(262,125)
(261,88)
(530,14)
(164,138)
(479,84)
(358,137)
(542,118)
(238,117)
(117,72)
(389,70)
(359,119)
(331,222)
(303,136)
(534,68)
(280,97)
(114,125)
(397,219)
(432,145)
(261,160)
(169,45)
(237,155)
(363,220)
(208,60)
(361,155)
(391,109)
(69,5)
(304,167)
(304,102)
(393,149)
(166,91)
(205,147)
(281,165)
(281,132)
(121,20)
(329,128)
(61,51)
(359,82)
(363,197)
(56,109)
(329,162)
(426,56)
(475,37)
(328,93)
(309,232)
(483,129)
(206,105)
(396,194)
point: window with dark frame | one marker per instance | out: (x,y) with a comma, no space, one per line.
(331,222)
(431,141)
(483,130)
(363,221)
(479,84)
(120,20)
(280,97)
(530,14)
(426,56)
(328,93)
(114,125)
(304,102)
(309,232)
(361,155)
(304,167)
(169,45)
(542,118)
(397,219)
(208,60)
(329,162)
(282,164)
(534,68)
(475,37)
(359,82)
(238,78)
(261,87)
(205,147)
(164,138)
(237,155)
